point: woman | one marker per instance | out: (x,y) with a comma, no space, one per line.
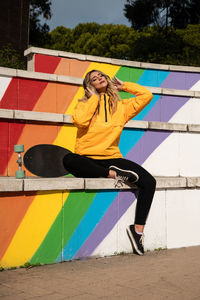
(100,117)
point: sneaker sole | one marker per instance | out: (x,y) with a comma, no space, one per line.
(133,243)
(123,170)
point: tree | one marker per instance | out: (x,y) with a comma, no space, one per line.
(183,13)
(38,33)
(91,38)
(181,47)
(60,39)
(11,58)
(162,13)
(141,13)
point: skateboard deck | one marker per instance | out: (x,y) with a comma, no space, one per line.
(46,160)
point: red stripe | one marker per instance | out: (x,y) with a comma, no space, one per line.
(3,145)
(46,63)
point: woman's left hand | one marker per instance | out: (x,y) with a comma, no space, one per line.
(117,83)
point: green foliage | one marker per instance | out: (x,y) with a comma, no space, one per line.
(60,39)
(10,58)
(38,34)
(93,39)
(179,46)
(28,265)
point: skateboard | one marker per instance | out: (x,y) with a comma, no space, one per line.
(46,160)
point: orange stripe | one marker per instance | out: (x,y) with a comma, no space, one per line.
(72,67)
(13,208)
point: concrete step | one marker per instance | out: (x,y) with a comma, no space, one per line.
(66,119)
(78,81)
(30,52)
(11,184)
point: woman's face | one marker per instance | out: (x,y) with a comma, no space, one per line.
(99,81)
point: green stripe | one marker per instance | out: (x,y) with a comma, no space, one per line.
(129,74)
(63,227)
(74,210)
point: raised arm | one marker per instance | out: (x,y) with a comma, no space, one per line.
(85,110)
(136,104)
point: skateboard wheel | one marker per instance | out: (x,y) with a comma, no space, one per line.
(19,148)
(20,174)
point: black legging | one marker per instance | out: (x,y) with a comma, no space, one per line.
(82,166)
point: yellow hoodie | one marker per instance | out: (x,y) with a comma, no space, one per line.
(98,137)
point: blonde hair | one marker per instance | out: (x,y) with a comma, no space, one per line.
(111,90)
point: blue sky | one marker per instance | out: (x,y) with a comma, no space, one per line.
(70,13)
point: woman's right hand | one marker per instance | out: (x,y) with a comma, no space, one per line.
(89,92)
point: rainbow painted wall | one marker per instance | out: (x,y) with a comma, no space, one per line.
(48,227)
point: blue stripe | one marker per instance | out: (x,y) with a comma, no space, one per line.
(153,77)
(128,139)
(97,209)
(147,109)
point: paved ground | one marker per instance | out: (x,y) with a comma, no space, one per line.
(166,274)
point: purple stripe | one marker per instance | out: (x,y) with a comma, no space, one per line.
(146,145)
(180,80)
(139,153)
(118,207)
(165,108)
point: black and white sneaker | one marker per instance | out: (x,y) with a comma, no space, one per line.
(137,240)
(124,176)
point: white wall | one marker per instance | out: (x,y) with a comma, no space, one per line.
(173,222)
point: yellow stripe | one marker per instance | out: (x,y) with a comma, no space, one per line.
(46,206)
(33,228)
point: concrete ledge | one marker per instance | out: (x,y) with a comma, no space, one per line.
(6,113)
(171,182)
(194,127)
(9,72)
(137,124)
(167,126)
(193,182)
(67,119)
(36,116)
(49,184)
(49,77)
(104,184)
(78,81)
(11,184)
(70,80)
(162,183)
(35,50)
(176,92)
(36,75)
(197,94)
